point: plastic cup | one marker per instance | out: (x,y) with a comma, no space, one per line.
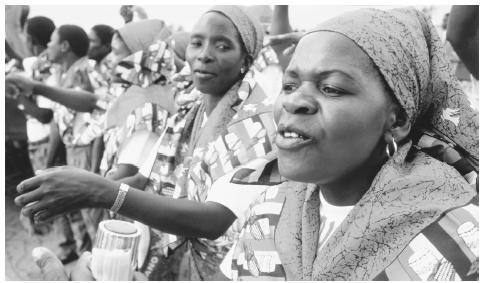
(114,255)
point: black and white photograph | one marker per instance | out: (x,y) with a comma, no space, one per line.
(241,142)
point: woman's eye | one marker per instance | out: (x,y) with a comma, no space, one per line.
(289,87)
(195,43)
(333,90)
(222,47)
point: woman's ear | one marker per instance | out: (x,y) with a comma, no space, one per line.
(247,62)
(64,46)
(398,126)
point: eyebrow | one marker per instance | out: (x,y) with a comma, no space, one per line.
(215,38)
(293,72)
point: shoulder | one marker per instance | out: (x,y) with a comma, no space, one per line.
(445,250)
(423,170)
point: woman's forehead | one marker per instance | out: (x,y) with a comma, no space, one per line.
(327,50)
(214,23)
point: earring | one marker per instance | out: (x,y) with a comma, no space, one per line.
(394,148)
(242,70)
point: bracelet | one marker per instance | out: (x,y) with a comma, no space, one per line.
(121,195)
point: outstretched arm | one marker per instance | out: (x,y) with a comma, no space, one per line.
(58,191)
(281,25)
(78,100)
(44,115)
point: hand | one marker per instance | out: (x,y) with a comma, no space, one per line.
(291,38)
(51,268)
(142,15)
(25,84)
(11,90)
(63,189)
(82,270)
(126,13)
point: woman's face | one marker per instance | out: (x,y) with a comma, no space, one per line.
(54,49)
(119,49)
(97,50)
(332,112)
(215,54)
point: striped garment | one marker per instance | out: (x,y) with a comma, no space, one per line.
(446,250)
(433,239)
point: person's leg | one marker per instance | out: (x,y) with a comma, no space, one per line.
(86,224)
(17,164)
(38,155)
(68,245)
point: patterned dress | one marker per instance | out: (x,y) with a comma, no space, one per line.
(408,226)
(194,152)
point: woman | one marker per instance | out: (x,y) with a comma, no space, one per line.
(229,125)
(371,206)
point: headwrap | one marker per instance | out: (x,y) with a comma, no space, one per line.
(407,50)
(141,34)
(179,42)
(249,28)
(407,198)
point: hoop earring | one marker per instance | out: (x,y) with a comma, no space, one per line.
(394,148)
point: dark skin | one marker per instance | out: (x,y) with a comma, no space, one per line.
(462,33)
(215,43)
(216,57)
(299,102)
(333,90)
(58,51)
(44,115)
(54,144)
(281,26)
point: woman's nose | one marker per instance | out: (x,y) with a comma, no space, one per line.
(205,55)
(300,102)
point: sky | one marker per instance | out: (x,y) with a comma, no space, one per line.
(301,16)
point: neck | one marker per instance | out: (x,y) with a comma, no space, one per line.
(98,62)
(38,49)
(210,102)
(349,189)
(68,60)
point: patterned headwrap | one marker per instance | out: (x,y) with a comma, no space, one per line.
(407,50)
(141,34)
(249,28)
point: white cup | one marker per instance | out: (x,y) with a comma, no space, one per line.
(114,255)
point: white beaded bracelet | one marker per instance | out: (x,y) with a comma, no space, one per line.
(121,195)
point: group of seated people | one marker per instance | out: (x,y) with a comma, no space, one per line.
(354,171)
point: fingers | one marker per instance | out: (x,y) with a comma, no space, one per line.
(50,266)
(289,50)
(35,182)
(280,38)
(30,184)
(28,197)
(82,270)
(45,215)
(33,209)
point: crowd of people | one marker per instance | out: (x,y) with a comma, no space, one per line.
(247,150)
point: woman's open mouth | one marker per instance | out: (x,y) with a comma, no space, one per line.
(290,138)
